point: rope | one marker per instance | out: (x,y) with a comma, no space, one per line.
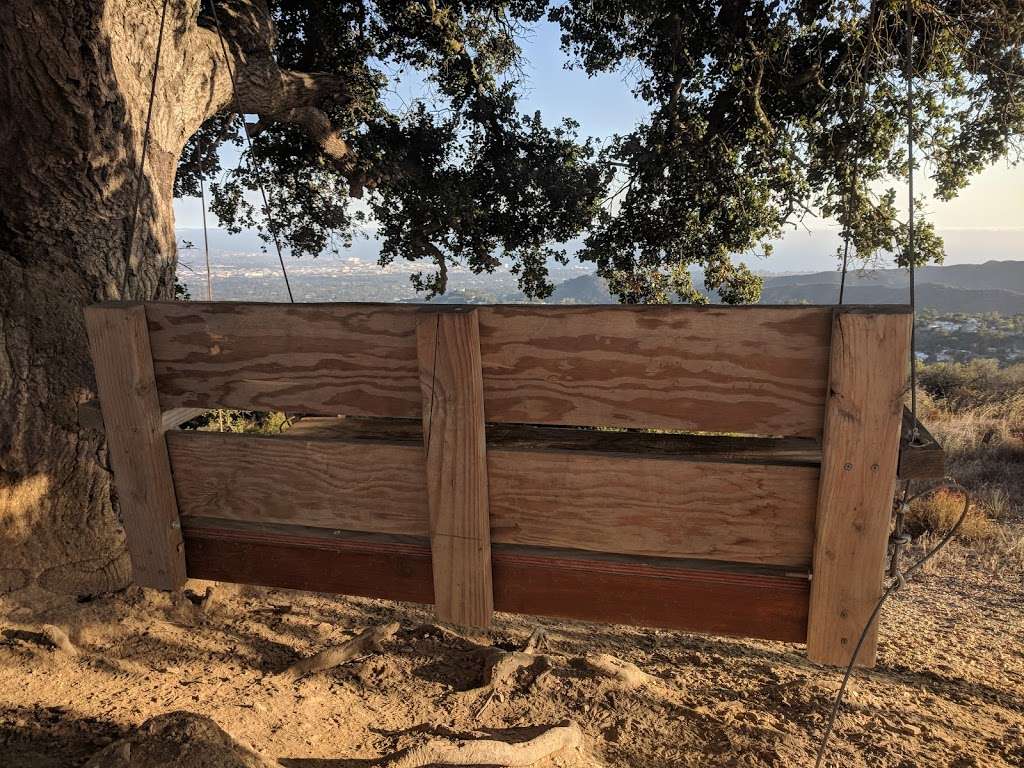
(248,139)
(898,583)
(899,538)
(909,76)
(206,241)
(129,245)
(846,261)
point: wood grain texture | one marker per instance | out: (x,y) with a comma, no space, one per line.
(455,455)
(119,343)
(756,370)
(371,487)
(923,459)
(752,369)
(867,381)
(321,358)
(603,501)
(643,506)
(651,593)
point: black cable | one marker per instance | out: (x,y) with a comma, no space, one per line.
(909,76)
(896,585)
(846,259)
(206,242)
(248,139)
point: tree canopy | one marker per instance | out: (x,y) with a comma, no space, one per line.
(760,114)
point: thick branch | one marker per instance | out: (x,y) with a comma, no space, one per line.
(252,81)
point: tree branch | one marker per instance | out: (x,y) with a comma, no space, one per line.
(253,82)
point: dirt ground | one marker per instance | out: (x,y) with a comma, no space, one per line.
(948,689)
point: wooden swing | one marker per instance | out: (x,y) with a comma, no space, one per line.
(724,470)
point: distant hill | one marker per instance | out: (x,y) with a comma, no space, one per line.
(941,298)
(992,275)
(585,289)
(995,286)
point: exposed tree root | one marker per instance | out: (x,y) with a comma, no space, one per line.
(469,752)
(203,602)
(500,668)
(60,640)
(367,641)
(538,638)
(627,674)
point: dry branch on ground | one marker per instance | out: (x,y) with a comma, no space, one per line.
(629,675)
(454,751)
(369,640)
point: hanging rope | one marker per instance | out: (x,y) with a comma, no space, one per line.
(898,582)
(206,241)
(846,261)
(129,245)
(899,538)
(245,133)
(909,76)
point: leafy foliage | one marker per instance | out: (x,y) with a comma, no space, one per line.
(761,112)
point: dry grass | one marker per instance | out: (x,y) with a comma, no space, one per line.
(976,411)
(938,513)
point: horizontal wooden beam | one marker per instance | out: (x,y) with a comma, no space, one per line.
(653,593)
(662,504)
(755,370)
(922,459)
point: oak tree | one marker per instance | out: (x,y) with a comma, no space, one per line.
(760,112)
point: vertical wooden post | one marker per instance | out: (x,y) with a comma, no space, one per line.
(119,341)
(451,381)
(867,381)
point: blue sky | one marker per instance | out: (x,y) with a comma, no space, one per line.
(985,221)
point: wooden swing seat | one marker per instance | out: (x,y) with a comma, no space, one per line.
(725,470)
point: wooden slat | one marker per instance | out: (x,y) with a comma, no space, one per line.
(319,358)
(455,448)
(622,590)
(127,391)
(603,496)
(923,459)
(643,506)
(867,381)
(377,488)
(756,370)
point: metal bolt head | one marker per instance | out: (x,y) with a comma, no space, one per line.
(847,466)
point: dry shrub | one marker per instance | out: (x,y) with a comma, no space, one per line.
(981,385)
(936,513)
(976,412)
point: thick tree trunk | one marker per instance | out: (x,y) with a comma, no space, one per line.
(75,80)
(73,96)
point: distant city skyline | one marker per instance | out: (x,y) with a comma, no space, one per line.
(988,215)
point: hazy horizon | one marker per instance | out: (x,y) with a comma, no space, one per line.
(798,251)
(985,222)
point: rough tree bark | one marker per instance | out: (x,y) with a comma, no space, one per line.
(74,86)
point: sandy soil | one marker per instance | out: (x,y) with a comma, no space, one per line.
(948,691)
